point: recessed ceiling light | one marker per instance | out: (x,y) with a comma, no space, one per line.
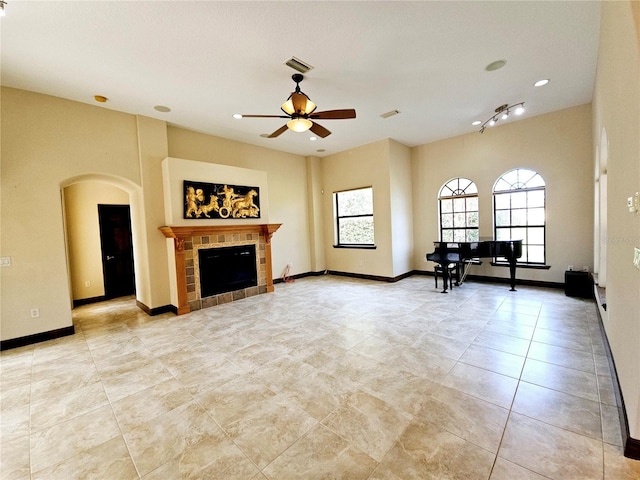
(100,99)
(313,139)
(320,150)
(162,108)
(264,135)
(477,122)
(237,115)
(497,65)
(541,83)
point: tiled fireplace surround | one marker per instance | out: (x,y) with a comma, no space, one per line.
(188,240)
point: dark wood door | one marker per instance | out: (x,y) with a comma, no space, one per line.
(117,250)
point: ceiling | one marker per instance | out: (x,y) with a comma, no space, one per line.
(207,60)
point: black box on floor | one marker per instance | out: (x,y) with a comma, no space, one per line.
(578,284)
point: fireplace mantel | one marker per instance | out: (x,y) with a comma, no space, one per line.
(183,240)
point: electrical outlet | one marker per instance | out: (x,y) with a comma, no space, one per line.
(636,257)
(5,261)
(35,312)
(87,284)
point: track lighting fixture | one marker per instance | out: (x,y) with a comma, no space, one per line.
(502,113)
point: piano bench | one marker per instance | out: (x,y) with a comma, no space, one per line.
(452,267)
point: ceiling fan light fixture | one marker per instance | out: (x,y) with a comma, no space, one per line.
(287,107)
(299,108)
(299,124)
(309,107)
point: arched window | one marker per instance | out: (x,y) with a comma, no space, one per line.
(519,212)
(458,201)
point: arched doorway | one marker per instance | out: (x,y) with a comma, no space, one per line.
(90,203)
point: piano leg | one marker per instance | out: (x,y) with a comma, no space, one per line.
(512,273)
(445,277)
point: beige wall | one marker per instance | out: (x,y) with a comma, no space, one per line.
(366,166)
(50,144)
(81,202)
(401,197)
(45,142)
(617,112)
(316,226)
(288,193)
(557,145)
(148,214)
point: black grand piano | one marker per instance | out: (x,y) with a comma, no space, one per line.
(460,253)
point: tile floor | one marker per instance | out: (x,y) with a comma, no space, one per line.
(327,377)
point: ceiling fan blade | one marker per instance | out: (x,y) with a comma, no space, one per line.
(335,114)
(278,132)
(319,130)
(265,116)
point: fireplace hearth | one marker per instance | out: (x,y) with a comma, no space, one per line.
(188,241)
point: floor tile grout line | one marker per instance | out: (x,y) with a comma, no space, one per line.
(601,442)
(515,393)
(593,352)
(109,400)
(224,432)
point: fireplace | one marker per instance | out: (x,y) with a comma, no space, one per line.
(226,269)
(188,241)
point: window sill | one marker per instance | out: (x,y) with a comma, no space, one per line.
(362,247)
(523,265)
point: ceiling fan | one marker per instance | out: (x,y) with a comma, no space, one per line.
(301,112)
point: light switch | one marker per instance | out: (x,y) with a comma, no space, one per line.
(636,257)
(633,203)
(5,261)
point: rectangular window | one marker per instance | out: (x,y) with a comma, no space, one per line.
(521,216)
(459,219)
(354,218)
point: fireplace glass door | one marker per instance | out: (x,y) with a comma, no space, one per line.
(226,269)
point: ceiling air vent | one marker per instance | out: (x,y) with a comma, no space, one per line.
(298,65)
(390,114)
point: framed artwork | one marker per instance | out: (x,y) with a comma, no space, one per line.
(220,200)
